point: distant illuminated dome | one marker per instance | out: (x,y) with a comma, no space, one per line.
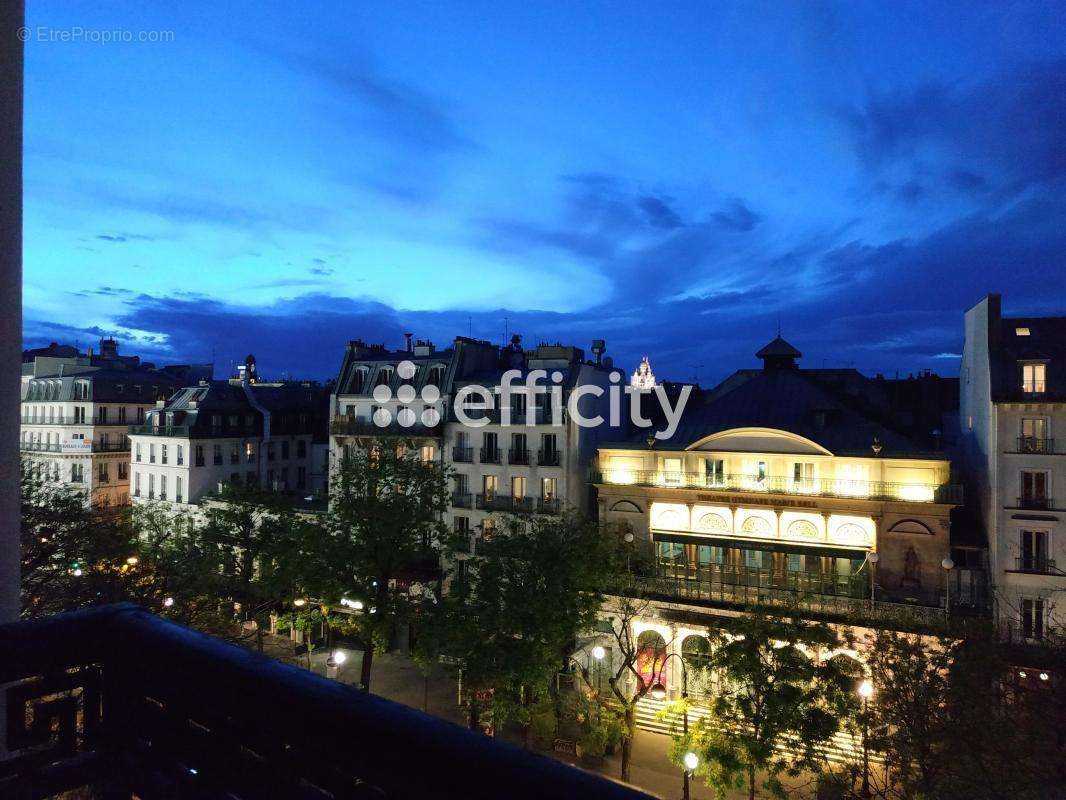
(643,377)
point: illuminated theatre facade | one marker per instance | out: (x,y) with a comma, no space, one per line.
(737,514)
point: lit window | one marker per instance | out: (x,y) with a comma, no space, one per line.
(1021,331)
(1034,378)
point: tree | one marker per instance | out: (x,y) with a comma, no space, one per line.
(71,555)
(776,703)
(512,613)
(385,518)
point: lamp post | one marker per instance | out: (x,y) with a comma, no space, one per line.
(598,653)
(873,558)
(866,691)
(948,566)
(629,539)
(658,691)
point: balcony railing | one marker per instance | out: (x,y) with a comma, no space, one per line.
(462,500)
(129,704)
(549,505)
(351,425)
(517,456)
(1035,501)
(1040,565)
(1030,444)
(159,430)
(489,455)
(60,419)
(548,458)
(504,502)
(825,487)
(518,418)
(463,455)
(75,447)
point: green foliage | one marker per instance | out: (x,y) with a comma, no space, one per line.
(772,694)
(71,555)
(512,613)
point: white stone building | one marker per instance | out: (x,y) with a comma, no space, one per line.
(229,432)
(1013,419)
(76,409)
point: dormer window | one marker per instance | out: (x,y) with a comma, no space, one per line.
(1034,378)
(436,375)
(1021,331)
(384,377)
(359,380)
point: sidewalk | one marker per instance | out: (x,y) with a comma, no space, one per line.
(398,678)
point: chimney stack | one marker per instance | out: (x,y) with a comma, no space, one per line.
(407,347)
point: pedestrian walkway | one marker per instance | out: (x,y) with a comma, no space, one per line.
(398,678)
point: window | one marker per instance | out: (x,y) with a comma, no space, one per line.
(1034,547)
(1034,489)
(672,471)
(714,471)
(384,377)
(103,475)
(427,453)
(285,450)
(548,488)
(462,524)
(436,376)
(234,453)
(803,476)
(162,487)
(77,473)
(760,471)
(490,485)
(250,478)
(163,453)
(518,486)
(1033,618)
(177,488)
(151,453)
(122,414)
(488,528)
(151,486)
(101,415)
(199,455)
(140,416)
(1021,331)
(137,452)
(1034,378)
(1034,435)
(181,455)
(301,477)
(754,559)
(136,484)
(462,483)
(270,451)
(217,454)
(301,448)
(249,452)
(123,471)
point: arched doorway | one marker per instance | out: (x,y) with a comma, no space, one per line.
(651,658)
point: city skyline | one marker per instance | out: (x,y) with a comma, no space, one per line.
(678,184)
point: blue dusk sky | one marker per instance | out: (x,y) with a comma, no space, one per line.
(676,178)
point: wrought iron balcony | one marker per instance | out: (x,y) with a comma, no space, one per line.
(1031,444)
(1035,501)
(548,458)
(75,447)
(490,455)
(504,502)
(520,456)
(117,699)
(60,419)
(549,505)
(1039,565)
(462,500)
(463,455)
(352,425)
(161,430)
(773,484)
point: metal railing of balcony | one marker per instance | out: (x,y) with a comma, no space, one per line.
(61,419)
(517,456)
(462,500)
(1031,444)
(771,484)
(134,705)
(351,425)
(489,455)
(40,447)
(504,502)
(463,455)
(1041,565)
(549,505)
(159,430)
(548,458)
(518,417)
(1035,501)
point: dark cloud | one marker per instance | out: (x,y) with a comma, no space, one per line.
(659,213)
(124,237)
(399,110)
(1007,131)
(736,216)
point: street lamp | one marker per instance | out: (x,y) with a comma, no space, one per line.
(866,691)
(658,691)
(873,558)
(948,566)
